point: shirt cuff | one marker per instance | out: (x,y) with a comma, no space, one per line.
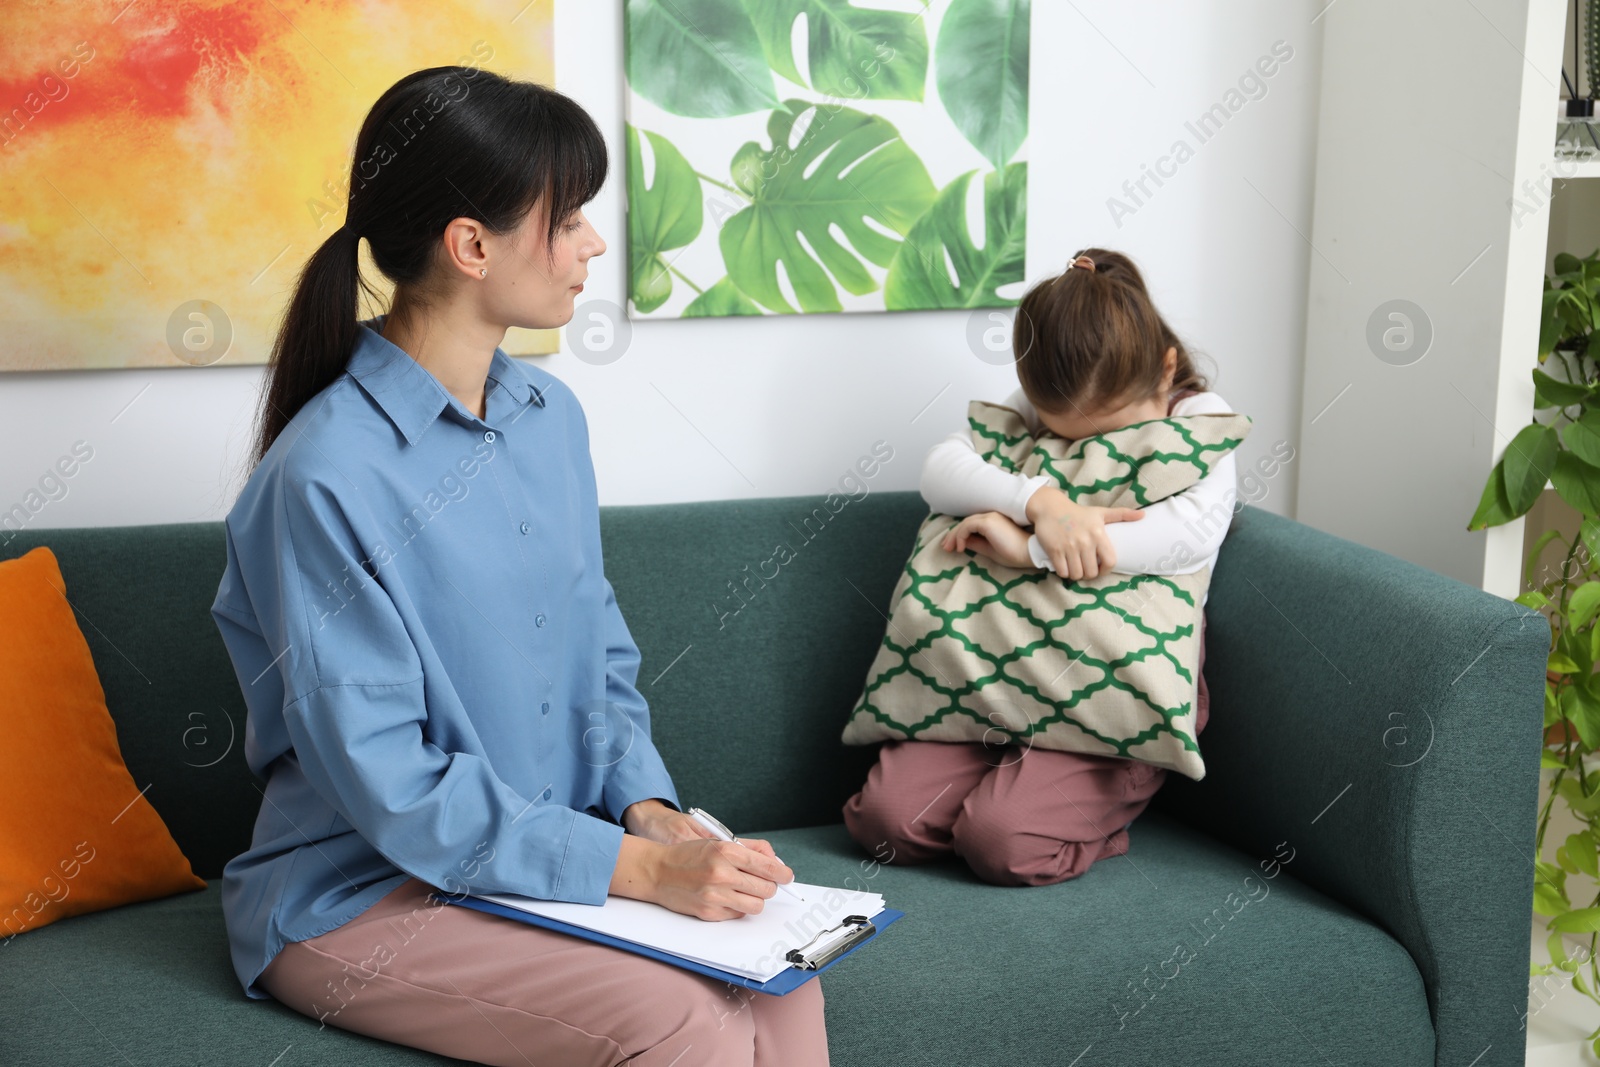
(590,860)
(640,775)
(1018,512)
(1037,553)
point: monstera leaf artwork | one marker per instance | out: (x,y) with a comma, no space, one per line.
(801,156)
(798,198)
(845,43)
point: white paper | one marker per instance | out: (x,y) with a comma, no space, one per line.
(753,946)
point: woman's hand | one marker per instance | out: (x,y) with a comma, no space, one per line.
(1074,535)
(991,534)
(657,821)
(708,879)
(717,879)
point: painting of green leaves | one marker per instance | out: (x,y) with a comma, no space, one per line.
(802,156)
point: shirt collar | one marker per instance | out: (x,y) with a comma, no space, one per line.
(409,394)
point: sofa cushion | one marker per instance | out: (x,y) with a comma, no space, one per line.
(1004,975)
(79,834)
(976,651)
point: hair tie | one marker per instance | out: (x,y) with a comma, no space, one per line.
(1082,261)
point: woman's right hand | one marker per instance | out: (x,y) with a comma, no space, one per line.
(708,879)
(1074,535)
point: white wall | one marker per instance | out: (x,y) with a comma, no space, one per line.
(1398,449)
(781,406)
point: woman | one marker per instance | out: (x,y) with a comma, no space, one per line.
(440,686)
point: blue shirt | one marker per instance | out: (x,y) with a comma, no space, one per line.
(439,683)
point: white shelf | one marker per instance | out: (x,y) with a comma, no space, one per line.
(1586,169)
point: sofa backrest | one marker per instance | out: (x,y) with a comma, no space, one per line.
(752,656)
(757,623)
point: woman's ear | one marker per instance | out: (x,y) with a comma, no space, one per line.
(1169,369)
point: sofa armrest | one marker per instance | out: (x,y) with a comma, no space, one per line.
(1386,723)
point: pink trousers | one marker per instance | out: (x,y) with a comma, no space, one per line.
(486,988)
(1016,816)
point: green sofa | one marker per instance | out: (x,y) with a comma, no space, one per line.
(1350,884)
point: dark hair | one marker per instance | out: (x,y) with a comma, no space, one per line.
(439,144)
(1091,335)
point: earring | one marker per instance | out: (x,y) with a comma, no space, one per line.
(483,272)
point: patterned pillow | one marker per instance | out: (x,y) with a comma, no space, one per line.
(976,651)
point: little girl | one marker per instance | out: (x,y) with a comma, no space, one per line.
(1094,355)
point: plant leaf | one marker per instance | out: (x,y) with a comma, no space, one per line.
(1583,711)
(1560,663)
(1551,761)
(1550,393)
(1583,437)
(1493,509)
(698,58)
(854,52)
(1551,324)
(1547,900)
(665,216)
(1577,482)
(887,183)
(1576,646)
(981,69)
(1528,461)
(1533,558)
(1578,920)
(1575,309)
(1583,604)
(723,298)
(1558,951)
(918,277)
(1589,532)
(1581,851)
(1532,599)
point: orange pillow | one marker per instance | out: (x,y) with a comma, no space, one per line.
(78,835)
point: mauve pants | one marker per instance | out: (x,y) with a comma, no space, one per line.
(487,988)
(1017,816)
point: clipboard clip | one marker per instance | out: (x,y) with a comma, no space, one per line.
(831,944)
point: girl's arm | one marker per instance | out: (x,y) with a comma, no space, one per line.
(957,481)
(1182,533)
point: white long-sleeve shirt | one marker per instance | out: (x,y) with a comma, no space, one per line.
(1178,535)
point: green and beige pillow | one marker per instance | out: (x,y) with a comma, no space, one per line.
(976,651)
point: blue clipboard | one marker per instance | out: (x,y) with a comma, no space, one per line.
(787,982)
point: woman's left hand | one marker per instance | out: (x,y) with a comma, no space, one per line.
(659,822)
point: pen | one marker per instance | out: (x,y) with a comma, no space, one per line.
(721,833)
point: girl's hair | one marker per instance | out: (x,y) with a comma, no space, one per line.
(1091,336)
(439,144)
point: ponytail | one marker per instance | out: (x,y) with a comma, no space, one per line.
(317,335)
(440,144)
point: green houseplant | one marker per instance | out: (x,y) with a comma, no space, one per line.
(1561,447)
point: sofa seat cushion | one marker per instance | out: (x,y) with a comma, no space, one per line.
(1004,975)
(981,974)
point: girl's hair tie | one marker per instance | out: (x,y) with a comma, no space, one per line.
(1082,261)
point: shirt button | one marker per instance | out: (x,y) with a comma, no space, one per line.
(524,527)
(538,620)
(547,794)
(488,435)
(544,709)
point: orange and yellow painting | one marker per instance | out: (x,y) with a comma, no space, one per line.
(168,167)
